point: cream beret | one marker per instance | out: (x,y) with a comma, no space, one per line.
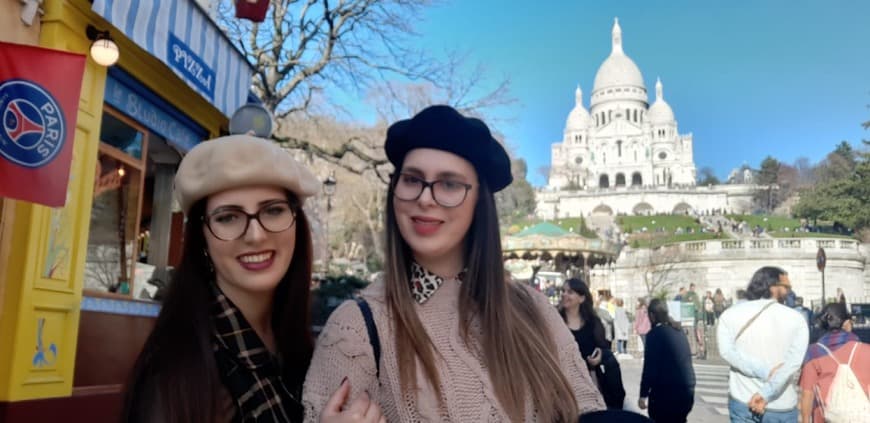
(237,161)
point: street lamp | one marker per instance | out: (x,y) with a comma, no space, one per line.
(329,185)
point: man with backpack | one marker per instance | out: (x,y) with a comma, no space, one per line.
(836,373)
(764,342)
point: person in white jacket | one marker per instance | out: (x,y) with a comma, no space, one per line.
(764,342)
(621,327)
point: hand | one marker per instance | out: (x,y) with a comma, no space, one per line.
(757,404)
(363,409)
(641,403)
(594,359)
(773,371)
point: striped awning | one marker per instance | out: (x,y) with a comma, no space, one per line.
(180,34)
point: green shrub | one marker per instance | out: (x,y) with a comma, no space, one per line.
(333,291)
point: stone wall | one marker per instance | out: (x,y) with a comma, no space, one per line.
(729,264)
(632,200)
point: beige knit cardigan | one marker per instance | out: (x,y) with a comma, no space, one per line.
(343,350)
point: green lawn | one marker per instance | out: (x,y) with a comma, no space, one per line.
(769,223)
(670,223)
(781,234)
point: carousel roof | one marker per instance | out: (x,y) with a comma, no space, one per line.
(543,229)
(547,238)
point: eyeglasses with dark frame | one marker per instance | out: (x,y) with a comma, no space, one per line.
(446,193)
(231,223)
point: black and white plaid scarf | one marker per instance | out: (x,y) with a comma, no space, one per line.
(248,370)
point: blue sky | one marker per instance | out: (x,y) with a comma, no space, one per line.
(747,78)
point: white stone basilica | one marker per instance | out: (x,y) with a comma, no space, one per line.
(624,141)
(625,155)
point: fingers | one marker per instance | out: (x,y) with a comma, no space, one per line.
(338,398)
(359,407)
(363,409)
(374,414)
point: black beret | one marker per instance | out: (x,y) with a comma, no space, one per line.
(443,128)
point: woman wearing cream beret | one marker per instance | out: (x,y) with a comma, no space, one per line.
(232,341)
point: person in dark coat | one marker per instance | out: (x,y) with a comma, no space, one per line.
(583,322)
(668,378)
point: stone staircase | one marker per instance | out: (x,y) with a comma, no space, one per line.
(601,223)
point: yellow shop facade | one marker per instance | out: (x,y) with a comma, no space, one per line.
(77,282)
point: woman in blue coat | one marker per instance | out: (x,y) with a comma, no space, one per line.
(668,377)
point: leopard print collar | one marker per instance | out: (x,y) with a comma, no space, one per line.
(424,283)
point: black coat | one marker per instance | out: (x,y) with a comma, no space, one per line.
(667,365)
(608,373)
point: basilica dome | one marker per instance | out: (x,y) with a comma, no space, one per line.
(578,119)
(660,111)
(618,70)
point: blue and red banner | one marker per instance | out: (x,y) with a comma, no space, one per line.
(39,98)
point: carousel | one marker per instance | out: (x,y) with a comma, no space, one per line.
(546,247)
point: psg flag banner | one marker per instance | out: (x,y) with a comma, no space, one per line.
(39,98)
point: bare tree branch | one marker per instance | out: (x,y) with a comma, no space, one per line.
(338,155)
(350,43)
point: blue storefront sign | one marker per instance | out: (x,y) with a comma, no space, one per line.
(186,61)
(180,34)
(131,99)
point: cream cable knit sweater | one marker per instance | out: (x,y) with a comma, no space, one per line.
(343,349)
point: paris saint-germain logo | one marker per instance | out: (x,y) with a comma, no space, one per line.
(33,129)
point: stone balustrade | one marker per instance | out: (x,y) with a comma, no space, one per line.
(788,247)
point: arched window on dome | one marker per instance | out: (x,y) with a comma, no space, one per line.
(635,115)
(619,148)
(627,114)
(609,115)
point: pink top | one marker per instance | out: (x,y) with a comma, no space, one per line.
(641,321)
(343,349)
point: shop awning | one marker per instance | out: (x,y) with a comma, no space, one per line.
(180,34)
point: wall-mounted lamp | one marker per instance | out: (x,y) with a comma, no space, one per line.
(104,51)
(29,10)
(121,171)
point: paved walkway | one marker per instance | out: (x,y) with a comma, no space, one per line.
(711,392)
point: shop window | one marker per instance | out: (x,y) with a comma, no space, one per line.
(113,239)
(118,134)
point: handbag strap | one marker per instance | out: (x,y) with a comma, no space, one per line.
(743,329)
(372,330)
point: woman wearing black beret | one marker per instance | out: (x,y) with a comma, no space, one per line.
(446,336)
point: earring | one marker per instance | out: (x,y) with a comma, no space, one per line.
(208,260)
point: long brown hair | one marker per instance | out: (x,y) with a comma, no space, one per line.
(175,378)
(522,359)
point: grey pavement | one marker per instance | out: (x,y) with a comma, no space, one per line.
(711,391)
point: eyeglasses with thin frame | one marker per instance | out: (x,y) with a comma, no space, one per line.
(231,223)
(446,192)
